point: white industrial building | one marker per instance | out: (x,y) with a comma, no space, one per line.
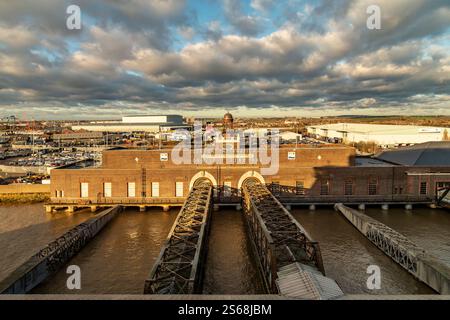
(383,135)
(140,123)
(154,119)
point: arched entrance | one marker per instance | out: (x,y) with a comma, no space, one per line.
(249,176)
(201,177)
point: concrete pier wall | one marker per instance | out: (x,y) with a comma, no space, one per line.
(51,258)
(414,259)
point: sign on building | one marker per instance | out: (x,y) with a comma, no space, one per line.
(164,156)
(291,155)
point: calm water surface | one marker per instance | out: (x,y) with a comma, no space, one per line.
(25,229)
(347,253)
(428,228)
(230,268)
(119,259)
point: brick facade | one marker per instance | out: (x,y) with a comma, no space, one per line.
(322,171)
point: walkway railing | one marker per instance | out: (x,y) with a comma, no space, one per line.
(179,268)
(116,201)
(278,238)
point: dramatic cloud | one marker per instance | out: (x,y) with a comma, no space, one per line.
(258,56)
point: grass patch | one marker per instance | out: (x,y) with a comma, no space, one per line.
(22,198)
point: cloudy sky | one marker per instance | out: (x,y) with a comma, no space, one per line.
(202,57)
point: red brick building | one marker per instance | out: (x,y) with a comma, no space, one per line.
(325,173)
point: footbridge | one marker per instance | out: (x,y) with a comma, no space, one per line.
(55,255)
(289,260)
(407,254)
(178,269)
(443,196)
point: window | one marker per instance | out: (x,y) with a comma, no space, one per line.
(373,186)
(348,187)
(85,190)
(423,188)
(155,189)
(59,194)
(324,187)
(131,189)
(107,189)
(276,188)
(442,184)
(179,189)
(227,189)
(300,188)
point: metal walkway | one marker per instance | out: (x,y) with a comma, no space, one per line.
(178,269)
(289,260)
(407,254)
(55,255)
(443,196)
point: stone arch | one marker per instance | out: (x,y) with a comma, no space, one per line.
(248,175)
(201,176)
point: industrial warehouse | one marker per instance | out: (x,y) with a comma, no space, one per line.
(383,135)
(139,123)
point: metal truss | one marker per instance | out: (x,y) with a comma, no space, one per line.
(278,238)
(58,252)
(442,193)
(178,269)
(395,245)
(61,250)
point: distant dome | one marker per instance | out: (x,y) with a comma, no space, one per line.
(228,116)
(228,121)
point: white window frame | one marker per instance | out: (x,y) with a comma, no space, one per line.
(131,189)
(155,189)
(84,192)
(179,189)
(105,189)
